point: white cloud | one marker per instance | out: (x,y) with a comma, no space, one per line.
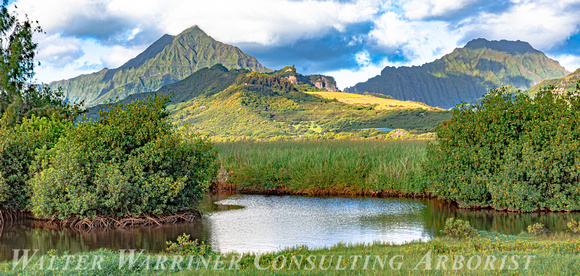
(392,31)
(544,24)
(58,51)
(418,41)
(570,62)
(85,34)
(117,55)
(259,21)
(420,9)
(363,58)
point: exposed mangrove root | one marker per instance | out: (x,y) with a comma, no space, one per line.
(9,215)
(89,224)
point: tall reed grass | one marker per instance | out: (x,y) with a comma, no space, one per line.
(339,167)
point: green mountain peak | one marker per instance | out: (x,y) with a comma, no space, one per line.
(167,60)
(465,74)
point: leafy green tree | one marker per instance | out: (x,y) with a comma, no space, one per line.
(511,151)
(129,162)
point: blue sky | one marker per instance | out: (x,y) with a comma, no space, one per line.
(351,40)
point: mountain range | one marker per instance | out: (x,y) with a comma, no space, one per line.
(167,60)
(224,92)
(465,74)
(237,102)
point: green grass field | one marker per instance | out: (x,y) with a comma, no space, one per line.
(337,167)
(488,254)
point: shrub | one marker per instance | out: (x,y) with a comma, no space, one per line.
(574,226)
(185,246)
(510,151)
(17,152)
(538,229)
(457,228)
(129,162)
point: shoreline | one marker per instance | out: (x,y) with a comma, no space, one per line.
(318,192)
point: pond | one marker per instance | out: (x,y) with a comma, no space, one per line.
(261,223)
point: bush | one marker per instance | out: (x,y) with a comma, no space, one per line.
(538,229)
(574,226)
(129,162)
(510,151)
(17,152)
(457,228)
(184,246)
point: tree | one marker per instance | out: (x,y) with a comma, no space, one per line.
(19,98)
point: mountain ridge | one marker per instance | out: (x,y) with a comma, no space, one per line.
(561,85)
(167,60)
(238,102)
(465,74)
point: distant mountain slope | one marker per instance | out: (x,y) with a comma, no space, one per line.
(465,74)
(169,59)
(560,84)
(234,103)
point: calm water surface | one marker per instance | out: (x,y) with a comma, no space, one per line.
(259,223)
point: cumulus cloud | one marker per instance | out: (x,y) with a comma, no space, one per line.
(418,41)
(119,55)
(259,21)
(421,9)
(570,62)
(58,51)
(544,24)
(354,39)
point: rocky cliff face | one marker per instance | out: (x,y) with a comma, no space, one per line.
(325,83)
(319,81)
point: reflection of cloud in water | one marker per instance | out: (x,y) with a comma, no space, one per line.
(268,223)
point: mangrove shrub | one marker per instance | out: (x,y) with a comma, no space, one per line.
(511,151)
(17,152)
(129,162)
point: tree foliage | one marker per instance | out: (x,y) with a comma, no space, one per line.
(19,97)
(17,152)
(511,151)
(127,163)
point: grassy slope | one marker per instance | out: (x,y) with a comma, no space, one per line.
(567,83)
(263,110)
(233,103)
(369,100)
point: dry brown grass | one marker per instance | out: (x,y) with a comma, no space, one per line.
(381,103)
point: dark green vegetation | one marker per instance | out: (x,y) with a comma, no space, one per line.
(335,167)
(32,117)
(18,147)
(465,74)
(131,162)
(562,85)
(511,151)
(227,104)
(167,60)
(128,163)
(534,255)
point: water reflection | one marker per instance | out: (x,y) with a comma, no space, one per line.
(267,223)
(261,223)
